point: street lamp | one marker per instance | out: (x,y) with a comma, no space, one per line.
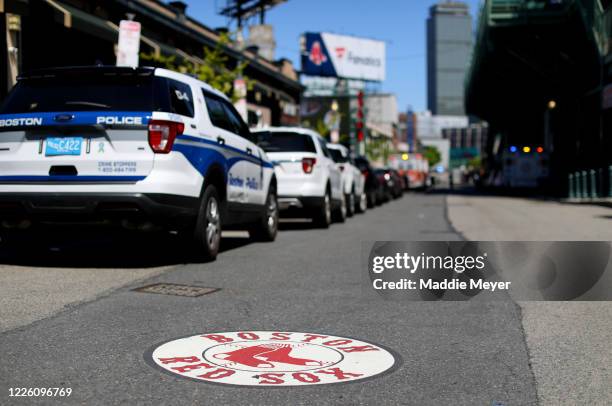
(548,137)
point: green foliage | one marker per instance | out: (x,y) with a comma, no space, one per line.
(474,163)
(321,128)
(214,70)
(378,149)
(432,155)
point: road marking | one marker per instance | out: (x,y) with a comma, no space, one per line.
(271,358)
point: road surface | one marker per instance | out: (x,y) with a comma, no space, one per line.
(70,317)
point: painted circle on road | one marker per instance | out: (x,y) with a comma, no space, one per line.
(271,358)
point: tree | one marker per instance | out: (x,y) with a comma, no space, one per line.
(475,163)
(432,155)
(214,70)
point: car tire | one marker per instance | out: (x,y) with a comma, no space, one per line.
(207,231)
(323,214)
(350,203)
(340,212)
(266,229)
(362,203)
(371,200)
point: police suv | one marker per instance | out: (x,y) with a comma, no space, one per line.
(137,147)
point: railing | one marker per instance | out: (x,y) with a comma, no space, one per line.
(518,11)
(590,184)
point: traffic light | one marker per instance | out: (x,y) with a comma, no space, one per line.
(359,123)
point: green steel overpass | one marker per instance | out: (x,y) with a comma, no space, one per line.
(538,73)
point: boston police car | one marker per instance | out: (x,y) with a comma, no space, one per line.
(136,147)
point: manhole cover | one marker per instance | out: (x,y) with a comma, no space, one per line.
(176,289)
(271,358)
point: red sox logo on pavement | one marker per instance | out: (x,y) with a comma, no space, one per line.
(266,358)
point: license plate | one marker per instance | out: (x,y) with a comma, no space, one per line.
(63,146)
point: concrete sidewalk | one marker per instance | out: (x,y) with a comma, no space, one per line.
(568,342)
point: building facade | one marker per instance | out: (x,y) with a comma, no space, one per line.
(49,33)
(449,45)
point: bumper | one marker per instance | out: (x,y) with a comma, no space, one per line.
(163,209)
(300,185)
(306,203)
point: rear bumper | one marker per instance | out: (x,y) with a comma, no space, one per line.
(306,203)
(300,185)
(164,209)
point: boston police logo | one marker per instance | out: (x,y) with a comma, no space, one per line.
(264,358)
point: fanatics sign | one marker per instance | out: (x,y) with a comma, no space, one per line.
(342,56)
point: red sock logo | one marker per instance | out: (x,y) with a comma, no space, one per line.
(262,356)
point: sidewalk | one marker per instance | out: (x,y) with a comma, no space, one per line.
(568,342)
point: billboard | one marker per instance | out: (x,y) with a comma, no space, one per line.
(332,55)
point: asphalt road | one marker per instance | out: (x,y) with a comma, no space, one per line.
(459,353)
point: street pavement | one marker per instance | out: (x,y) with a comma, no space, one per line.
(69,316)
(95,329)
(569,342)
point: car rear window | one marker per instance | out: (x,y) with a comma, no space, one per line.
(89,93)
(337,156)
(286,142)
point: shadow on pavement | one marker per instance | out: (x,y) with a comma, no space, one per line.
(80,248)
(292,224)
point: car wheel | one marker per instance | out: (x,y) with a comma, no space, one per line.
(207,232)
(350,204)
(341,211)
(371,200)
(266,228)
(323,215)
(362,204)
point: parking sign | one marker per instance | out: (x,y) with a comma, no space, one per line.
(129,43)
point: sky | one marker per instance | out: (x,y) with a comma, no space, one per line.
(400,23)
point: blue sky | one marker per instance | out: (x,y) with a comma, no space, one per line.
(400,23)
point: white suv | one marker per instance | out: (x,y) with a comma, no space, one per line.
(307,177)
(352,179)
(136,147)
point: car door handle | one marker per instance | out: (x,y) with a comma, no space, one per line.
(249,151)
(221,140)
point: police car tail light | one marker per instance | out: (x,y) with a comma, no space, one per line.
(308,164)
(162,134)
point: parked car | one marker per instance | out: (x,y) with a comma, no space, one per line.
(352,179)
(309,183)
(398,183)
(373,185)
(136,147)
(387,182)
